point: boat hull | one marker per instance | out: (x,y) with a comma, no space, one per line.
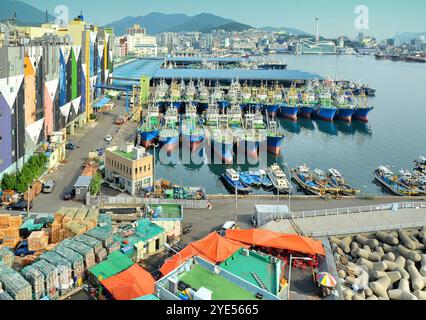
(179,106)
(310,190)
(345,114)
(361,114)
(203,106)
(306,111)
(148,138)
(169,143)
(326,114)
(275,145)
(194,141)
(224,151)
(289,112)
(387,186)
(232,186)
(223,104)
(252,149)
(272,109)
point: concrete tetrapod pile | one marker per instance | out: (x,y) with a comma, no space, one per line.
(382,265)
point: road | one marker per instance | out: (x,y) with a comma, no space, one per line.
(87,138)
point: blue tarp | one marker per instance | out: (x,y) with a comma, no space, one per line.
(102,102)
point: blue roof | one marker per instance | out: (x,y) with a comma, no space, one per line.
(201,59)
(138,68)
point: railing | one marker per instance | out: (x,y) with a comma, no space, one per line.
(360,209)
(361,230)
(102,201)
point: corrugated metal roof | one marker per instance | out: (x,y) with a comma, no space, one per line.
(83,181)
(138,68)
(201,59)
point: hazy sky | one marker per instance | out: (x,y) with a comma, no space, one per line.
(336,16)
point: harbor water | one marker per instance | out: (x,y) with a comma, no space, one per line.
(395,134)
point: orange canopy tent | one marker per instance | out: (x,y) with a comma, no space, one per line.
(213,248)
(270,239)
(130,284)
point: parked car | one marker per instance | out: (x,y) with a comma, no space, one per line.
(19,206)
(120,120)
(108,138)
(68,194)
(48,186)
(70,146)
(229,225)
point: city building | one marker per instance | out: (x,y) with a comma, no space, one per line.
(136,29)
(306,46)
(43,87)
(130,169)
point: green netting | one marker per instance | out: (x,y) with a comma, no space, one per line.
(116,262)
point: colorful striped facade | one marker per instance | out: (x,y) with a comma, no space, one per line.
(43,89)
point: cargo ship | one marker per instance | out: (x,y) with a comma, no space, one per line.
(325,110)
(192,129)
(392,183)
(150,128)
(169,133)
(290,108)
(275,136)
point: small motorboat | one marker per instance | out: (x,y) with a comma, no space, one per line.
(232,181)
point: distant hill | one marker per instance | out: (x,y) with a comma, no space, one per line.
(292,31)
(229,27)
(25,13)
(156,23)
(406,37)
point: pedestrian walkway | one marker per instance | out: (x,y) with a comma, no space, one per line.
(353,223)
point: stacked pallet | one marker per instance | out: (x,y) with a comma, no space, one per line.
(101,234)
(37,280)
(6,257)
(101,255)
(86,251)
(71,222)
(64,270)
(115,246)
(9,230)
(74,258)
(15,284)
(95,244)
(104,220)
(38,240)
(51,277)
(4,296)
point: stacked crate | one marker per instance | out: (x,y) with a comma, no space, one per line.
(37,280)
(95,244)
(86,251)
(37,241)
(76,260)
(64,270)
(101,234)
(51,277)
(115,246)
(15,284)
(6,257)
(9,230)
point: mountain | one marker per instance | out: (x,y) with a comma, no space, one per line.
(158,22)
(293,31)
(406,37)
(229,27)
(25,13)
(154,22)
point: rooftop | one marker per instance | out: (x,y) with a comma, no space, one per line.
(221,288)
(127,155)
(143,232)
(168,211)
(244,267)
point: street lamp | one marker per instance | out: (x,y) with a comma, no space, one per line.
(235,179)
(291,189)
(289,272)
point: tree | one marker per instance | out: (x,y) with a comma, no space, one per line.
(95,184)
(9,182)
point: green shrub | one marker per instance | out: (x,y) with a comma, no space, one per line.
(95,184)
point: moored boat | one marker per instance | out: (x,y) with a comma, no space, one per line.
(325,110)
(150,128)
(275,136)
(290,108)
(232,181)
(279,179)
(304,177)
(338,181)
(391,182)
(420,164)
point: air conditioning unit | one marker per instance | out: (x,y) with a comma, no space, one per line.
(173,285)
(246,253)
(203,295)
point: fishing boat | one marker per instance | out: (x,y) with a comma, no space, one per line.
(235,117)
(304,177)
(169,133)
(363,109)
(160,95)
(246,97)
(262,95)
(247,180)
(290,108)
(345,106)
(392,183)
(279,179)
(190,93)
(325,110)
(413,180)
(309,101)
(420,164)
(232,181)
(275,98)
(203,97)
(338,181)
(219,97)
(192,128)
(275,136)
(234,93)
(255,175)
(150,128)
(265,181)
(222,141)
(176,96)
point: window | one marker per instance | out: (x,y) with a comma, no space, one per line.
(149,167)
(136,171)
(144,168)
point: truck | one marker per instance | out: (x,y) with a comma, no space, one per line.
(34,224)
(22,250)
